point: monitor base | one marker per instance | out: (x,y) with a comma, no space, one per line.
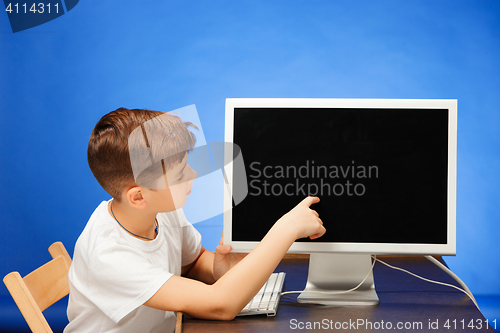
(330,274)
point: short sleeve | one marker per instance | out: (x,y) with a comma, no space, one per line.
(191,240)
(120,279)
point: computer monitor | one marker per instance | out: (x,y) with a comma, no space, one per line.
(384,169)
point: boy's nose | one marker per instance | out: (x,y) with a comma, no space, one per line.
(191,173)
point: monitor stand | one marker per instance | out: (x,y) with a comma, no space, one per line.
(331,272)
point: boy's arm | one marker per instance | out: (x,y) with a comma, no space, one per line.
(201,268)
(227,296)
(209,266)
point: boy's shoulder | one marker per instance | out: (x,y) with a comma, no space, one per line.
(102,230)
(102,236)
(99,222)
(99,231)
(103,245)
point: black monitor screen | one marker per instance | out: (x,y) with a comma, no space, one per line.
(381,174)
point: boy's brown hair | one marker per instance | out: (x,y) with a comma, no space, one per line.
(108,151)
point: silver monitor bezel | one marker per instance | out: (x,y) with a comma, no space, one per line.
(371,248)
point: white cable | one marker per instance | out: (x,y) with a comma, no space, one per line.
(332,292)
(428,280)
(465,290)
(454,276)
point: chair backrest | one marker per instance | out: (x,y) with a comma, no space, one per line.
(41,288)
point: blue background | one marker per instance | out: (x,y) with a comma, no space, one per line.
(58,79)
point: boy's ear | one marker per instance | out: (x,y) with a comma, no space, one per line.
(135,198)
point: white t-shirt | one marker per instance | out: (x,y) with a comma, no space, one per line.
(114,273)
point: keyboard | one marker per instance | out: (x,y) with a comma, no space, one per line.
(267,299)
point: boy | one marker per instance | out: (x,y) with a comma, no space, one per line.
(138,260)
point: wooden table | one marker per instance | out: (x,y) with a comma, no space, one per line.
(407,304)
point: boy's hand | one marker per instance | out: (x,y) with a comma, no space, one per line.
(224,260)
(225,298)
(305,220)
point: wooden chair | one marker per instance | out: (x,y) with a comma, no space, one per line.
(178,322)
(41,288)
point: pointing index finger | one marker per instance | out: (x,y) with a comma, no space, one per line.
(308,201)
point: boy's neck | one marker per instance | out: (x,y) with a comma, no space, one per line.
(140,222)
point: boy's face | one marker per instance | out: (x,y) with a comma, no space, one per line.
(180,180)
